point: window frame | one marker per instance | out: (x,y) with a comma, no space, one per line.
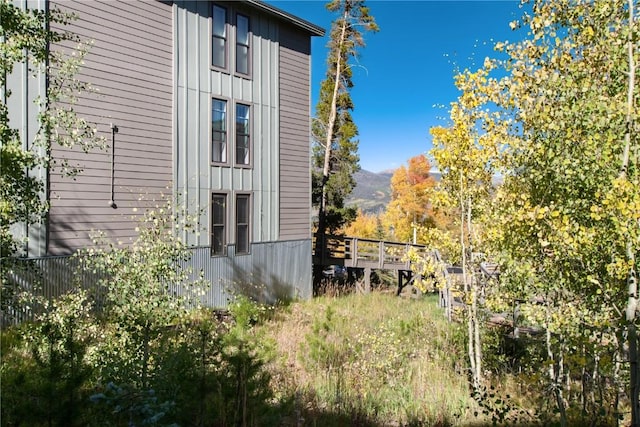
(238,45)
(237,224)
(249,134)
(224,224)
(227,133)
(226,38)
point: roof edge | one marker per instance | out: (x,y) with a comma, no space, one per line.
(314,29)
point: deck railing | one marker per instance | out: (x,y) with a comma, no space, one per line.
(360,252)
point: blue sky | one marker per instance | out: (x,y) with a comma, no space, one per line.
(404,83)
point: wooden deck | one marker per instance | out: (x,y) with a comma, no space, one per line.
(368,255)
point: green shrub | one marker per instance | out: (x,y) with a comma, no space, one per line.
(45,371)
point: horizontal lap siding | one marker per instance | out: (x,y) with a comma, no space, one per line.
(295,180)
(130,63)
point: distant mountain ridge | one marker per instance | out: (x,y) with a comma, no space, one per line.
(372,193)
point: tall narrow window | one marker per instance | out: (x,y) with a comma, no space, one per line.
(242,223)
(243,130)
(218,224)
(219,131)
(242,44)
(219,39)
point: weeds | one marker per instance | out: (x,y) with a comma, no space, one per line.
(371,359)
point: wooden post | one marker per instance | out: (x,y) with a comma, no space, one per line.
(367,280)
(354,248)
(400,285)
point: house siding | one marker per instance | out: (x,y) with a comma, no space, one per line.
(294,158)
(130,64)
(25,88)
(197,84)
(150,61)
(280,150)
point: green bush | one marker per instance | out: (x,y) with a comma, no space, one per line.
(45,371)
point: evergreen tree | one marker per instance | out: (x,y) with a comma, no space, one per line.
(335,151)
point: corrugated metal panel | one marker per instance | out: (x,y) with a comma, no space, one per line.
(49,277)
(262,274)
(272,271)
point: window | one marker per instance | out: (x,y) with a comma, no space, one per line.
(242,135)
(219,131)
(242,223)
(219,39)
(218,224)
(242,44)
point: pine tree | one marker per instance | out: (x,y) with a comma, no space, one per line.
(335,151)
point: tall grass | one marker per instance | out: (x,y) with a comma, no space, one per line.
(371,359)
(357,360)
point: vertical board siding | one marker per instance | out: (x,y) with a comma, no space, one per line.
(295,175)
(197,83)
(130,63)
(23,87)
(263,274)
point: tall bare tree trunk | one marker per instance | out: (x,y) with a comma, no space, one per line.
(470,289)
(554,370)
(467,291)
(477,349)
(331,123)
(632,279)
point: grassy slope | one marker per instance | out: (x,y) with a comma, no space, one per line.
(370,360)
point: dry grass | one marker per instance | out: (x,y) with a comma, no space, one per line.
(370,360)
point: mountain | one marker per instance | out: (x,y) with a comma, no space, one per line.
(372,192)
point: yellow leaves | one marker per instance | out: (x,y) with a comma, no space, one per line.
(365,225)
(542,212)
(596,212)
(589,32)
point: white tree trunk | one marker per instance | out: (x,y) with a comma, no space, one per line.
(332,115)
(554,370)
(632,279)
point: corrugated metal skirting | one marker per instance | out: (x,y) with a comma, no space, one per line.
(273,271)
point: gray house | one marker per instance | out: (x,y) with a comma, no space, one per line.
(208,100)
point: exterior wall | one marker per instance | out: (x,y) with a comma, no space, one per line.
(295,155)
(279,178)
(150,61)
(264,276)
(274,271)
(25,88)
(130,63)
(197,83)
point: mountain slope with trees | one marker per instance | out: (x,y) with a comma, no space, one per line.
(372,192)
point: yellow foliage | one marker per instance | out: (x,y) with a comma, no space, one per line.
(365,225)
(411,199)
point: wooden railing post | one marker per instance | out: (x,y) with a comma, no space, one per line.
(380,254)
(355,251)
(407,248)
